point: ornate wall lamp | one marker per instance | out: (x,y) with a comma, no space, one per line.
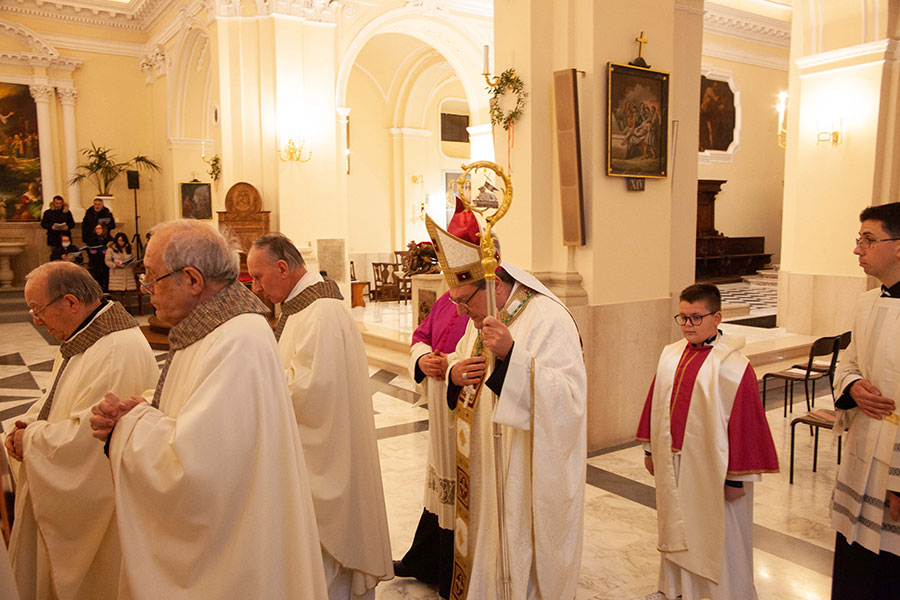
(829,131)
(294,151)
(781,107)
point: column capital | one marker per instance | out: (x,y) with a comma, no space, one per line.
(67,96)
(41,93)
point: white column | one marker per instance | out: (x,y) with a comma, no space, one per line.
(67,99)
(42,95)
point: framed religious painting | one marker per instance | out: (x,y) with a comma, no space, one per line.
(720,116)
(196,200)
(638,116)
(20,162)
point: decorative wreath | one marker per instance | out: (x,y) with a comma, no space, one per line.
(507,82)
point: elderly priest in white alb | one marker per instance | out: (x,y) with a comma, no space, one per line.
(327,372)
(866,500)
(540,380)
(211,489)
(65,542)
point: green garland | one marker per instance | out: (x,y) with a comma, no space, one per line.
(215,167)
(508,81)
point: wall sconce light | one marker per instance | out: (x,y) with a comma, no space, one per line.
(781,107)
(830,132)
(293,151)
(417,179)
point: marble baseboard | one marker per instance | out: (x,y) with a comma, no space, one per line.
(622,347)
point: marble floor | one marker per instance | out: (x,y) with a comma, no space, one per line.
(792,537)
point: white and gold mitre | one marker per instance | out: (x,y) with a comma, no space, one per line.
(460,260)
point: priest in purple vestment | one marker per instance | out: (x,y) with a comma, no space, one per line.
(430,559)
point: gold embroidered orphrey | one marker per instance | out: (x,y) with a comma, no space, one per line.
(466,444)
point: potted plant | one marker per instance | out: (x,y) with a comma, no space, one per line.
(102,169)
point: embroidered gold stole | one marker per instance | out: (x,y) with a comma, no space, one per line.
(468,443)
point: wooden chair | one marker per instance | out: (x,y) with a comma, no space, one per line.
(821,347)
(400,258)
(828,366)
(387,287)
(819,419)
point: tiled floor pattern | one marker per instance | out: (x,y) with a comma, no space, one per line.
(763,300)
(792,537)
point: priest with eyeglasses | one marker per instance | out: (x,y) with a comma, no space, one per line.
(865,509)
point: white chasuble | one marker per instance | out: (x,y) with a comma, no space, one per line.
(690,502)
(327,372)
(871,463)
(542,410)
(211,488)
(64,541)
(440,478)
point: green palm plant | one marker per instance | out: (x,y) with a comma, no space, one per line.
(102,169)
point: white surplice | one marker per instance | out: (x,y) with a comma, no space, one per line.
(440,479)
(211,488)
(327,373)
(542,409)
(706,542)
(871,463)
(65,511)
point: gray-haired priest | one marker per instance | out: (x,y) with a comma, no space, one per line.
(65,542)
(327,372)
(540,381)
(212,495)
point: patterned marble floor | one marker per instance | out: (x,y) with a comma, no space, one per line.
(763,300)
(792,537)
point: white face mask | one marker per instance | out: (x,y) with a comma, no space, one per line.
(66,244)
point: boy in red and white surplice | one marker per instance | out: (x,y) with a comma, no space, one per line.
(706,440)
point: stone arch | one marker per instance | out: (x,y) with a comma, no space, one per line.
(191,87)
(457,42)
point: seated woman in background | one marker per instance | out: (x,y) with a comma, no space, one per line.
(65,250)
(96,247)
(120,261)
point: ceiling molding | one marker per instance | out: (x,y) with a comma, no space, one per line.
(30,59)
(742,56)
(744,25)
(878,49)
(134,16)
(43,54)
(99,46)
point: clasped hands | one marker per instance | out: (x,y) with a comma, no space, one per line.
(107,413)
(15,441)
(434,364)
(496,338)
(869,399)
